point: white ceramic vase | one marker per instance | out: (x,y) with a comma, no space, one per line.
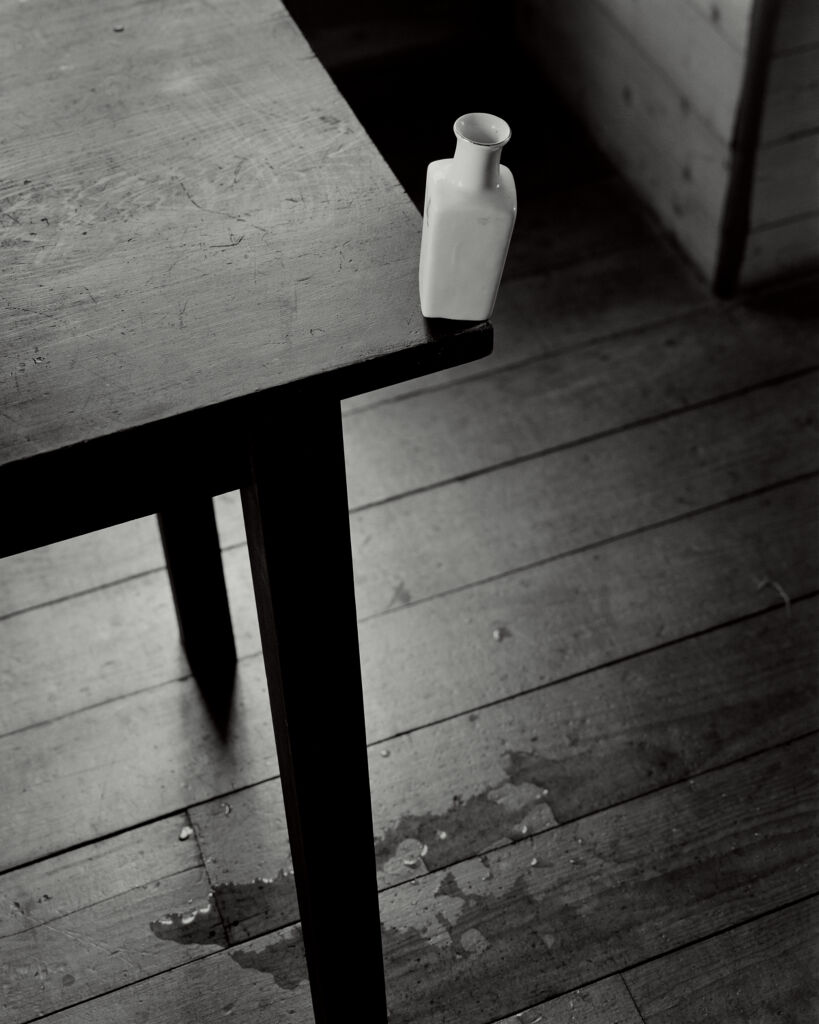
(469,212)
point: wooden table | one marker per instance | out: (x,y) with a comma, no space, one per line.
(202,253)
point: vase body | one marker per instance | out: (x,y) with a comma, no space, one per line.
(469,212)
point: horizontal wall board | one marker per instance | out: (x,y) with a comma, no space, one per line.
(780,250)
(651,130)
(791,96)
(786,181)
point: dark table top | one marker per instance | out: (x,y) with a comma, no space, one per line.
(190,215)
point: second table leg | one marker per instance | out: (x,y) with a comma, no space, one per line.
(297,523)
(191,544)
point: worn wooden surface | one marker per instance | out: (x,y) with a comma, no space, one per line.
(587,571)
(650,126)
(784,214)
(764,971)
(216,223)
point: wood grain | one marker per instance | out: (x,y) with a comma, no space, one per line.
(731,18)
(214,225)
(262,981)
(423,663)
(647,876)
(543,915)
(763,971)
(578,311)
(605,1002)
(549,313)
(791,96)
(396,445)
(648,126)
(780,250)
(82,924)
(440,657)
(798,26)
(688,49)
(512,517)
(786,180)
(543,507)
(459,788)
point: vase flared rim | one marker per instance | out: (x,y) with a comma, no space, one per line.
(483,130)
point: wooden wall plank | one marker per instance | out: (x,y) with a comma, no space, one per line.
(458,788)
(651,130)
(786,181)
(154,752)
(779,250)
(791,96)
(731,18)
(690,51)
(765,971)
(798,25)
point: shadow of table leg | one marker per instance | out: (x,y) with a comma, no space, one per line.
(191,544)
(298,529)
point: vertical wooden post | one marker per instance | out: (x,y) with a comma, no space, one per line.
(298,530)
(194,561)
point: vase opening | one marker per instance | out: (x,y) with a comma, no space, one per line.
(483,130)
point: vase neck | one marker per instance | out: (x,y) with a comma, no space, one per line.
(476,166)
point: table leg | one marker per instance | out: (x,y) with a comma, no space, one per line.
(194,562)
(298,530)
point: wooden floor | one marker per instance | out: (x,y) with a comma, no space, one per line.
(587,586)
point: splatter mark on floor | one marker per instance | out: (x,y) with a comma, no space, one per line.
(509,811)
(200,926)
(283,960)
(252,907)
(264,901)
(486,933)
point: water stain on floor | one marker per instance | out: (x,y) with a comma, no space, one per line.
(283,960)
(201,926)
(483,934)
(517,807)
(267,902)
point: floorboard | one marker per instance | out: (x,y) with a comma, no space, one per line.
(765,971)
(549,913)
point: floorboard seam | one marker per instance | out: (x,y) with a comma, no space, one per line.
(696,309)
(621,971)
(770,610)
(637,424)
(689,514)
(624,428)
(627,987)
